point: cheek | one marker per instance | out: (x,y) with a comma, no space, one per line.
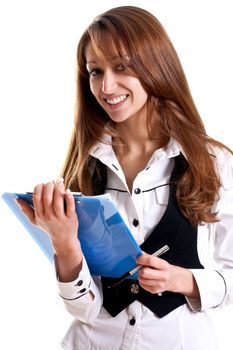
(94,87)
(141,97)
(137,87)
(145,97)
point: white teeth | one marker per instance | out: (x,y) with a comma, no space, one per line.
(116,100)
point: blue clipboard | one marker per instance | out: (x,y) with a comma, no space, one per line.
(107,243)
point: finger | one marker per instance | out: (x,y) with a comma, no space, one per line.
(151,283)
(147,273)
(154,289)
(70,204)
(27,210)
(58,198)
(37,200)
(47,198)
(152,261)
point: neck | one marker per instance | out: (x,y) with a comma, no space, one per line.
(134,138)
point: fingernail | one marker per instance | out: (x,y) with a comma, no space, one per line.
(60,181)
(68,192)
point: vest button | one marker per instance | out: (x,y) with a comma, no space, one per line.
(137,191)
(134,288)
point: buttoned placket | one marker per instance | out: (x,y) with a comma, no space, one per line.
(134,223)
(132,336)
(138,201)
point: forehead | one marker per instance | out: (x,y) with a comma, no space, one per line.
(107,50)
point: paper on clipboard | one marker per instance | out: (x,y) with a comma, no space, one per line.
(107,243)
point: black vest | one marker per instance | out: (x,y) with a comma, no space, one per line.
(174,230)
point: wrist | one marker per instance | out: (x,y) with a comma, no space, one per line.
(68,258)
(68,263)
(67,248)
(184,282)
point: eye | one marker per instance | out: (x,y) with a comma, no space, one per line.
(94,72)
(121,67)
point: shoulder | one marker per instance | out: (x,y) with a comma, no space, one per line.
(223,160)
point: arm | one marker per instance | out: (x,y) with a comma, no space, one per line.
(212,286)
(82,300)
(215,282)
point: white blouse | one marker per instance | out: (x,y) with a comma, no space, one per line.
(189,326)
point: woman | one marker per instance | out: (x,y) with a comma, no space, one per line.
(139,137)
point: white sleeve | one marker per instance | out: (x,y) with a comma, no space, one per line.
(82,297)
(216,285)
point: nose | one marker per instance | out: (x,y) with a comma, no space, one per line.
(109,83)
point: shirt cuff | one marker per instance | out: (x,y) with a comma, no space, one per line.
(212,289)
(77,288)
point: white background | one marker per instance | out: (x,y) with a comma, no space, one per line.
(38,42)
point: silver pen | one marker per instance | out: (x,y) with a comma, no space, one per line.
(159,252)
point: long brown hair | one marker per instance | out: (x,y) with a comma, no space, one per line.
(154,60)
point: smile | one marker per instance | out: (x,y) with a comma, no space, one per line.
(116,100)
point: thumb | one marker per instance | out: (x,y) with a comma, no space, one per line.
(27,210)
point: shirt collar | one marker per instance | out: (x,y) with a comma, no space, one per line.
(105,153)
(170,150)
(103,150)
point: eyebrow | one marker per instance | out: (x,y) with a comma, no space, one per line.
(90,62)
(113,58)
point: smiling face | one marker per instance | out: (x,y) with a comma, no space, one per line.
(114,85)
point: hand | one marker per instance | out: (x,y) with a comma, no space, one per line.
(50,214)
(157,276)
(60,223)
